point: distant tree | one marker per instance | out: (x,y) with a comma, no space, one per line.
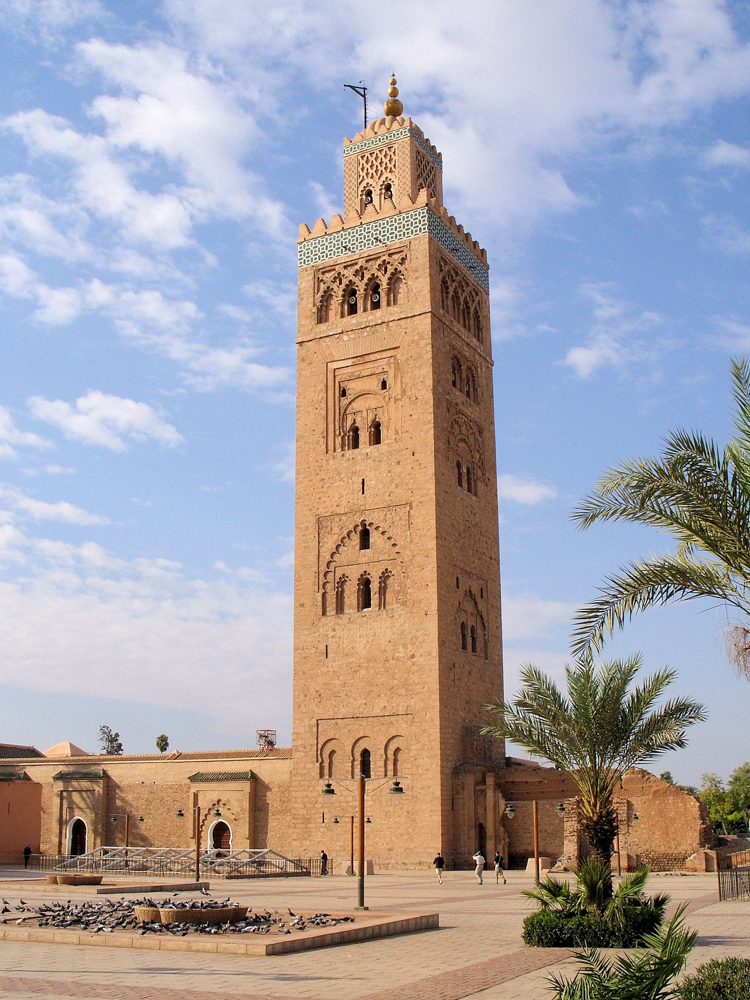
(162,743)
(727,806)
(110,742)
(599,731)
(667,776)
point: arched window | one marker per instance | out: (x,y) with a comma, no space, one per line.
(324,309)
(454,375)
(467,386)
(469,479)
(384,384)
(376,432)
(367,198)
(395,289)
(365,764)
(331,764)
(456,305)
(463,636)
(383,590)
(396,762)
(353,441)
(351,302)
(477,325)
(364,593)
(445,296)
(460,474)
(374,297)
(341,595)
(343,392)
(473,639)
(388,192)
(465,316)
(364,536)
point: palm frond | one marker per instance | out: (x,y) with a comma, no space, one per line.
(648,584)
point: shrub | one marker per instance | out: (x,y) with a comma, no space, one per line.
(720,979)
(556,929)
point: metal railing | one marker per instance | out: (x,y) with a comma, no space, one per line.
(737,859)
(257,863)
(734,883)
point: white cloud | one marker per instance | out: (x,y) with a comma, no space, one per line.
(40,510)
(84,618)
(11,438)
(285,466)
(616,336)
(106,420)
(523,489)
(59,470)
(727,154)
(726,234)
(528,616)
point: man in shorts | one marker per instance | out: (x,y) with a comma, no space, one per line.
(499,873)
(439,864)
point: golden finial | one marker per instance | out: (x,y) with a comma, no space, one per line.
(393,106)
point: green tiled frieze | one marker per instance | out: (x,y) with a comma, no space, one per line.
(393,229)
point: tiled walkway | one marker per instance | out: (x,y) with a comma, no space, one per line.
(477,951)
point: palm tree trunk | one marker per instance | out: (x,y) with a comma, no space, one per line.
(599,831)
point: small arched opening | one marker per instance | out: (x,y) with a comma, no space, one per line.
(464,641)
(351,302)
(365,763)
(220,836)
(474,639)
(341,595)
(373,299)
(460,473)
(376,432)
(78,836)
(364,593)
(395,290)
(469,479)
(324,309)
(353,437)
(364,536)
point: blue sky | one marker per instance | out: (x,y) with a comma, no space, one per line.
(155,162)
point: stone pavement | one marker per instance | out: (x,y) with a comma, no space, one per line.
(477,951)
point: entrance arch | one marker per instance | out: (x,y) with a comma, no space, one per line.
(482,839)
(78,835)
(220,836)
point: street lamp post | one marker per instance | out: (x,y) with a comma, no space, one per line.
(328,789)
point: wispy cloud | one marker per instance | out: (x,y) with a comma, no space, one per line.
(11,438)
(523,489)
(40,510)
(106,420)
(727,154)
(616,337)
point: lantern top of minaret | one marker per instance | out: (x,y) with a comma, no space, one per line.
(393,107)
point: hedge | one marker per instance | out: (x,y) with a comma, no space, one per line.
(552,929)
(719,979)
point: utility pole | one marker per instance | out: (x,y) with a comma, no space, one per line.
(361,91)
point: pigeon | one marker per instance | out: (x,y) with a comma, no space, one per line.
(290,913)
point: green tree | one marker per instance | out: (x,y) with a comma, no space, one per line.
(699,493)
(667,776)
(110,742)
(162,743)
(598,732)
(738,789)
(713,795)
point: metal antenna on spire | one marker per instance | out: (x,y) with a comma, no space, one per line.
(361,91)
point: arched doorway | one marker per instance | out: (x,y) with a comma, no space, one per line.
(77,837)
(221,836)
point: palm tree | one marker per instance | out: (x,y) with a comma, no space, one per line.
(598,732)
(700,494)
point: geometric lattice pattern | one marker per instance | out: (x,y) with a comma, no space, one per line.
(381,140)
(382,232)
(375,166)
(426,174)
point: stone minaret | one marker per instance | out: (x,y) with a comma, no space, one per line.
(397,634)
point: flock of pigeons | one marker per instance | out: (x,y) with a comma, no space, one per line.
(108,916)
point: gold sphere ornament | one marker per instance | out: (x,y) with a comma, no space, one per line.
(393,107)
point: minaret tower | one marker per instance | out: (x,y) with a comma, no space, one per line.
(397,635)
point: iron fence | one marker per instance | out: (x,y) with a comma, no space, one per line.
(734,883)
(160,861)
(737,859)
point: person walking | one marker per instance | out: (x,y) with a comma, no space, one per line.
(439,864)
(499,873)
(479,862)
(26,855)
(323,863)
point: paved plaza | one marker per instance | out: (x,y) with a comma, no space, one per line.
(477,952)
